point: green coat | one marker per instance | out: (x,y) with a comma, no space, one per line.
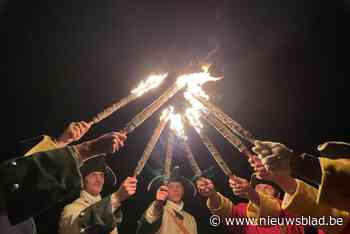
(83,217)
(98,218)
(26,147)
(30,185)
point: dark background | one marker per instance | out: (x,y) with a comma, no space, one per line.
(285,65)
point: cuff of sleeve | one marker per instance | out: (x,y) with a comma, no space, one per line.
(78,162)
(335,149)
(115,202)
(253,210)
(47,143)
(225,206)
(269,206)
(75,155)
(333,189)
(152,214)
(221,204)
(302,201)
(325,181)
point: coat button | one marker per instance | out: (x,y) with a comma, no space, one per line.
(15,187)
(81,214)
(14,163)
(82,230)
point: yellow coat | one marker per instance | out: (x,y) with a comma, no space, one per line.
(335,164)
(304,203)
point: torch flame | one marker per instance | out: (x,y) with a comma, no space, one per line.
(177,126)
(193,113)
(197,105)
(199,78)
(166,113)
(193,116)
(152,82)
(205,67)
(194,81)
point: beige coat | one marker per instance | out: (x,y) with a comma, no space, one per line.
(70,214)
(168,225)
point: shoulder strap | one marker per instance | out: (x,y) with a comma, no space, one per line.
(178,223)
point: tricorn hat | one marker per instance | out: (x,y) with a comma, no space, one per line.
(254,180)
(175,176)
(98,163)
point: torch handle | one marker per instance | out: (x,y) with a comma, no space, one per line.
(153,107)
(227,120)
(112,108)
(193,163)
(169,155)
(225,132)
(150,146)
(216,154)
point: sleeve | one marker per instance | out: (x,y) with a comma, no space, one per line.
(335,149)
(225,208)
(304,203)
(152,214)
(45,143)
(68,222)
(334,189)
(31,184)
(99,218)
(150,221)
(195,230)
(269,207)
(115,202)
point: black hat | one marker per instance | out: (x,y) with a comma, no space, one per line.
(98,163)
(175,176)
(209,173)
(254,180)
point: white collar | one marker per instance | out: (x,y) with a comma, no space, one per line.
(90,198)
(175,206)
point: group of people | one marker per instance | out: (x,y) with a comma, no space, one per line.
(284,184)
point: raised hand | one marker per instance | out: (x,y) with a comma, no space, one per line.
(73,132)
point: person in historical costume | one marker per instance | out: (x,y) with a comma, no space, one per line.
(90,213)
(330,171)
(302,198)
(263,202)
(166,215)
(72,133)
(47,175)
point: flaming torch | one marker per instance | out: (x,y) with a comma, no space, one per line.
(167,164)
(191,80)
(227,120)
(193,163)
(219,126)
(164,118)
(193,117)
(168,156)
(152,82)
(177,126)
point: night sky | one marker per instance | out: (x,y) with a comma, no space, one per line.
(285,67)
